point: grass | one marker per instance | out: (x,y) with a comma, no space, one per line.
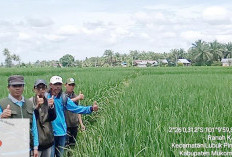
(139,105)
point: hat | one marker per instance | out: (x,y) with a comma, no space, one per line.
(70,81)
(55,79)
(16,80)
(40,81)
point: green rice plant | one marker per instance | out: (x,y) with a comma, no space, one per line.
(138,106)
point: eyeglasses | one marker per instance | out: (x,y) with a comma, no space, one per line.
(41,87)
(17,85)
(71,84)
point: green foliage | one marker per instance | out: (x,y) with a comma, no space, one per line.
(216,63)
(180,64)
(10,58)
(67,60)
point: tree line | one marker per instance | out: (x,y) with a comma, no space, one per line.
(201,53)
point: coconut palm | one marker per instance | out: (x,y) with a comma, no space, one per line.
(216,50)
(227,53)
(201,52)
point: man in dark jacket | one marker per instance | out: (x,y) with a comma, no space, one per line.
(72,119)
(45,113)
(16,106)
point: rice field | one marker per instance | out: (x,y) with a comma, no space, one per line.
(144,111)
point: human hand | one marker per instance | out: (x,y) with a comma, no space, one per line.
(82,127)
(39,102)
(6,112)
(51,102)
(81,96)
(95,106)
(36,153)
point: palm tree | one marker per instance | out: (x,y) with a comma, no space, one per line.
(227,50)
(201,52)
(216,50)
(176,54)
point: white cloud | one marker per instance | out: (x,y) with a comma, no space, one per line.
(145,36)
(87,32)
(54,37)
(23,36)
(119,34)
(191,35)
(216,15)
(68,30)
(147,18)
(39,22)
(71,30)
(224,38)
(169,34)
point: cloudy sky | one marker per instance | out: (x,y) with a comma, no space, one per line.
(49,29)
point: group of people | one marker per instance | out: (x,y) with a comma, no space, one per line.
(53,114)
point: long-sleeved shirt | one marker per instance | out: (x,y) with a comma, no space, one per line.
(34,130)
(59,124)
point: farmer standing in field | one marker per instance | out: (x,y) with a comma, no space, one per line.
(61,104)
(72,119)
(16,106)
(45,113)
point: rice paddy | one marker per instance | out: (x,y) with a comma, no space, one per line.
(144,111)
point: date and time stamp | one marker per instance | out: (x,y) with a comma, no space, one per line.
(217,141)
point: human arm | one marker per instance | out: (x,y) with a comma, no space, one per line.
(34,132)
(51,113)
(71,106)
(79,97)
(51,109)
(81,123)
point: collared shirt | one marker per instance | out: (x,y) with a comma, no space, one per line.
(19,103)
(34,127)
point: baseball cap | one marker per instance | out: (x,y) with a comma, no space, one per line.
(16,80)
(40,81)
(56,79)
(70,81)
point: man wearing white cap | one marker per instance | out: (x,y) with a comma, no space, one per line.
(59,124)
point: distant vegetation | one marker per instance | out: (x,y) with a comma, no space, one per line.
(200,54)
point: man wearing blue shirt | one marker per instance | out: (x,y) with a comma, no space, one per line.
(59,124)
(16,106)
